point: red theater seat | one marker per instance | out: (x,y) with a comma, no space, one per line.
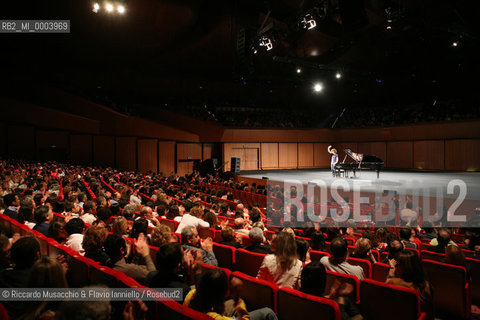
(104,275)
(248,262)
(257,293)
(365,264)
(317,255)
(204,233)
(172,224)
(225,255)
(452,296)
(432,255)
(380,271)
(293,305)
(380,301)
(344,278)
(475,265)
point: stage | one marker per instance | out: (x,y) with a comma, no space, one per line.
(404,182)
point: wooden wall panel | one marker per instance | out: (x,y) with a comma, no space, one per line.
(166,157)
(321,158)
(52,145)
(21,142)
(147,155)
(126,153)
(287,155)
(269,155)
(186,154)
(462,155)
(229,151)
(429,154)
(3,139)
(104,151)
(305,155)
(378,149)
(400,154)
(207,151)
(81,149)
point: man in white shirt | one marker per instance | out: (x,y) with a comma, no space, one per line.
(75,229)
(338,263)
(192,219)
(147,214)
(90,209)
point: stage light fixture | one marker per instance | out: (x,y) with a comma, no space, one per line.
(299,70)
(96,7)
(109,7)
(266,42)
(318,87)
(338,75)
(455,44)
(120,9)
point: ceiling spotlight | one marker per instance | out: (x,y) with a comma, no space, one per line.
(318,87)
(96,7)
(308,22)
(109,7)
(338,75)
(266,42)
(389,27)
(121,9)
(299,70)
(455,44)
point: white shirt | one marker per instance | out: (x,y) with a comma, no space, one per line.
(74,241)
(270,270)
(191,221)
(343,267)
(88,218)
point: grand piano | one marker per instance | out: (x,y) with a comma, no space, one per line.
(361,162)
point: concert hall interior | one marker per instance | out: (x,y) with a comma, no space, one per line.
(276,159)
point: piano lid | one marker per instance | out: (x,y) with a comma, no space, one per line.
(360,157)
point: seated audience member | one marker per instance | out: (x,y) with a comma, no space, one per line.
(24,253)
(103,216)
(428,231)
(147,214)
(454,255)
(174,213)
(5,246)
(442,241)
(161,235)
(209,297)
(314,280)
(75,229)
(129,212)
(116,249)
(45,273)
(121,226)
(257,240)
(282,267)
(89,211)
(405,235)
(172,268)
(139,226)
(407,271)
(93,244)
(363,250)
(12,203)
(303,250)
(192,219)
(380,239)
(211,218)
(240,226)
(394,247)
(43,218)
(25,213)
(191,240)
(317,240)
(229,238)
(338,261)
(58,231)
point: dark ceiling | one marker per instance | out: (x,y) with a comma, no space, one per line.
(198,51)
